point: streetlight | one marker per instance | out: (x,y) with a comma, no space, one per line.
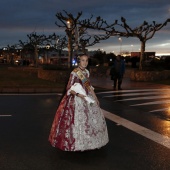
(120,40)
(47,47)
(132,48)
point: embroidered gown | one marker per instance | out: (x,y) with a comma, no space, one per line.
(78,125)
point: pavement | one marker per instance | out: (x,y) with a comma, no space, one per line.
(107,83)
(97,81)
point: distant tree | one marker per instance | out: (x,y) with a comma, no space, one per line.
(35,41)
(11,49)
(100,56)
(143,32)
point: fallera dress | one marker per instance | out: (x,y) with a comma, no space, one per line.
(78,125)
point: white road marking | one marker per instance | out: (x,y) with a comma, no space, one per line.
(152,103)
(142,94)
(154,136)
(145,98)
(5,115)
(129,91)
(29,94)
(159,110)
(135,94)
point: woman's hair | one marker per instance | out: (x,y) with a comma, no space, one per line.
(79,56)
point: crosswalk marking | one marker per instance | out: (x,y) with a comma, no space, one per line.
(134,94)
(146,98)
(154,136)
(156,97)
(159,110)
(151,103)
(5,115)
(129,91)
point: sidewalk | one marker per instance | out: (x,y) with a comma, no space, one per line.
(107,83)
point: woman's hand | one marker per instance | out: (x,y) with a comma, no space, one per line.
(81,96)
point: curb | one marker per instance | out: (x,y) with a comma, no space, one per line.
(31,90)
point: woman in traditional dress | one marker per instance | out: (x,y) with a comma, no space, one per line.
(79,123)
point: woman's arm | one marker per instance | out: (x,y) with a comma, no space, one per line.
(77,94)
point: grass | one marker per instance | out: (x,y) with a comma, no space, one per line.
(16,77)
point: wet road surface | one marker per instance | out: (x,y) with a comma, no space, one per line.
(25,122)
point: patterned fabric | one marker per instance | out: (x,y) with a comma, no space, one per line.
(77,125)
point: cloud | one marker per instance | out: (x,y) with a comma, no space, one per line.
(19,17)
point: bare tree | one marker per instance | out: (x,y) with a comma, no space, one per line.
(76,30)
(69,23)
(36,41)
(98,24)
(143,32)
(10,53)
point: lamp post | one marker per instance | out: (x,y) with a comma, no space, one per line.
(120,40)
(132,48)
(47,47)
(72,31)
(70,50)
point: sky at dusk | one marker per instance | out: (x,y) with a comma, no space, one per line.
(19,18)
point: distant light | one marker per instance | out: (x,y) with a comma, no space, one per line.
(48,46)
(74,62)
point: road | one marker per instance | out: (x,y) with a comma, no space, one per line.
(138,126)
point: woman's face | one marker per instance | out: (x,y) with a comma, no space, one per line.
(83,61)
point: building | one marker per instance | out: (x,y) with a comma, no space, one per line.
(146,54)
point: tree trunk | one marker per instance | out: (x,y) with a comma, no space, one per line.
(36,56)
(142,54)
(84,49)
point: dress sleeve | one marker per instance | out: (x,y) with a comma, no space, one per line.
(73,79)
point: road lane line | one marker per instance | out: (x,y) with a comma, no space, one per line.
(154,136)
(133,94)
(152,103)
(129,91)
(159,110)
(29,94)
(5,115)
(145,98)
